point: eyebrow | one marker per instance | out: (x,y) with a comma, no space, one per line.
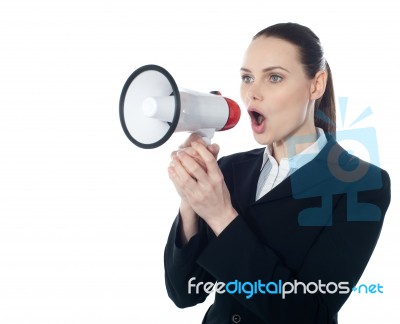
(266,69)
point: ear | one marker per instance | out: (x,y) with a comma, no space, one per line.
(318,85)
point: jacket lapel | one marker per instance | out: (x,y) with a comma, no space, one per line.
(245,178)
(246,174)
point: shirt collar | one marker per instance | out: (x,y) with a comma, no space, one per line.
(297,161)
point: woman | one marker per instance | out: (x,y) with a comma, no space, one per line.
(288,229)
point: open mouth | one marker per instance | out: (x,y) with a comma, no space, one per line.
(258,121)
(256,117)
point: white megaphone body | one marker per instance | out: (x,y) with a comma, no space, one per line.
(152,108)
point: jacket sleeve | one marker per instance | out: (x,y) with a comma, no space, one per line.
(339,254)
(180,266)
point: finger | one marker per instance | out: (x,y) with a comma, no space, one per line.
(194,155)
(189,150)
(214,149)
(173,176)
(195,169)
(173,153)
(184,179)
(208,158)
(192,138)
(176,181)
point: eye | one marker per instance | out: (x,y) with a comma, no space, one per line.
(274,78)
(247,79)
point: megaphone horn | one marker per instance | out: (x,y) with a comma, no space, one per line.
(152,108)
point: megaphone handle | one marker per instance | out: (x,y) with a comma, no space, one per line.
(206,140)
(206,134)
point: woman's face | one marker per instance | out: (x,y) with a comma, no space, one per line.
(276,91)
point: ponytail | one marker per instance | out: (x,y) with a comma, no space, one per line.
(325,108)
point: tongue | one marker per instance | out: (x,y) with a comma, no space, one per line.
(259,119)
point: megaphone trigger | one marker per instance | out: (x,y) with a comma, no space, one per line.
(216,93)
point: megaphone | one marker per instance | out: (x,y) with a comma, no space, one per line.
(152,108)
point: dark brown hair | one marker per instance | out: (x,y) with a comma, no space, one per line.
(313,61)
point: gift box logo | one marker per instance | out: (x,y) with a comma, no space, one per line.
(349,178)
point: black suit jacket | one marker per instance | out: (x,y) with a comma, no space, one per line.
(320,224)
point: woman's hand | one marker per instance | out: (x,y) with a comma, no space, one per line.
(188,149)
(189,219)
(198,179)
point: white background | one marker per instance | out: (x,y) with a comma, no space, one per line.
(84,214)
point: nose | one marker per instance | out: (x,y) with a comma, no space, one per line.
(253,93)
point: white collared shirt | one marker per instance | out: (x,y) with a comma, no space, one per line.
(273,173)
